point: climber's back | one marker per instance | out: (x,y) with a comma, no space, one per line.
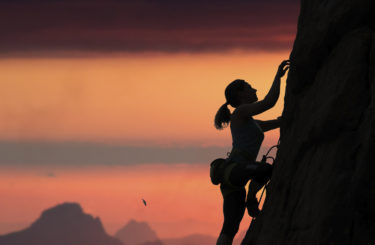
(247,138)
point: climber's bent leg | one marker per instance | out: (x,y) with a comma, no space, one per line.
(252,204)
(254,187)
(242,173)
(263,173)
(259,173)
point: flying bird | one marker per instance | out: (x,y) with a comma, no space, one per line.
(144,202)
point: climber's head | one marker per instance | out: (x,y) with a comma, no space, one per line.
(240,92)
(237,93)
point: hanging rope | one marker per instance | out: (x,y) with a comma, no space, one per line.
(264,159)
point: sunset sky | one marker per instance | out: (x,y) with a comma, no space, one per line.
(107,102)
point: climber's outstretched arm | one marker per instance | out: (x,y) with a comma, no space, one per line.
(255,108)
(269,125)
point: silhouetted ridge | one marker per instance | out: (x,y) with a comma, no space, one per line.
(134,233)
(193,239)
(158,242)
(61,225)
(70,216)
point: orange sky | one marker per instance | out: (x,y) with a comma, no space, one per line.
(149,99)
(181,200)
(136,99)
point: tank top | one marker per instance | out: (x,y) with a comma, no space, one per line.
(247,139)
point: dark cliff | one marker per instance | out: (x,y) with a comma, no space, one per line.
(323,185)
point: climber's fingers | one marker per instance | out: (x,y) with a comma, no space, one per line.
(285,62)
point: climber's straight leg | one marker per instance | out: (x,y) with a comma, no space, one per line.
(224,240)
(234,209)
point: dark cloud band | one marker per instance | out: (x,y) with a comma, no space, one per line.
(138,26)
(81,154)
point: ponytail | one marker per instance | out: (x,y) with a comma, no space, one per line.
(222,117)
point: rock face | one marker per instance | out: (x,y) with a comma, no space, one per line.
(62,225)
(134,233)
(323,185)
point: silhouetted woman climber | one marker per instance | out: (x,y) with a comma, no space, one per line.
(247,136)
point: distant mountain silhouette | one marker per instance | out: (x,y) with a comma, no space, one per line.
(158,242)
(194,239)
(135,233)
(64,224)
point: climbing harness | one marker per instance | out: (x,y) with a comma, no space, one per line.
(220,170)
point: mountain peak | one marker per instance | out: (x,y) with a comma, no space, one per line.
(64,208)
(67,214)
(63,224)
(136,232)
